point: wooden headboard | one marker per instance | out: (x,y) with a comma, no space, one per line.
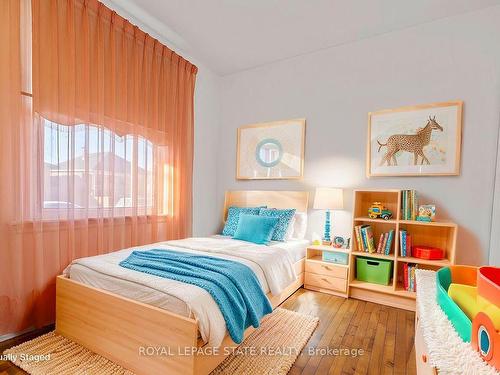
(273,199)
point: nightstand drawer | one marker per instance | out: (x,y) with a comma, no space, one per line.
(326,269)
(326,282)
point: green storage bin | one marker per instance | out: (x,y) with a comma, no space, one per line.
(373,270)
(335,257)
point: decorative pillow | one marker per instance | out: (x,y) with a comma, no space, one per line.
(256,229)
(285,217)
(233,215)
(300,225)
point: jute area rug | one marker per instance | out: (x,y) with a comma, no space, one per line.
(272,349)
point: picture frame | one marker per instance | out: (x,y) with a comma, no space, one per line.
(271,150)
(421,140)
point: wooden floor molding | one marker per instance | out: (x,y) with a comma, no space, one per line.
(385,334)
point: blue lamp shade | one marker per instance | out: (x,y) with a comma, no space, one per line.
(328,199)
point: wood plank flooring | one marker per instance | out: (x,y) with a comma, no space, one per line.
(384,334)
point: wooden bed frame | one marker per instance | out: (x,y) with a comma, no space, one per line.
(147,339)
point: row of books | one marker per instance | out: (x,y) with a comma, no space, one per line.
(404,243)
(409,205)
(409,282)
(366,240)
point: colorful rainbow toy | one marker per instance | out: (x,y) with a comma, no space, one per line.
(470,297)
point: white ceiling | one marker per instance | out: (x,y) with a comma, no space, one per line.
(233,35)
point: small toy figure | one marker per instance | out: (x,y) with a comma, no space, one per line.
(378,210)
(338,242)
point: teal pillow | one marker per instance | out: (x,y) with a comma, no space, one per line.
(256,229)
(233,215)
(284,216)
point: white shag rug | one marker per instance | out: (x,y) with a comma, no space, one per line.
(446,349)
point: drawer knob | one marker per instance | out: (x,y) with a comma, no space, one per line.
(324,279)
(424,358)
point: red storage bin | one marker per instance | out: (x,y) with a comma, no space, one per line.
(427,252)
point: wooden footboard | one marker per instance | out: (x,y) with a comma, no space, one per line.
(123,330)
(142,338)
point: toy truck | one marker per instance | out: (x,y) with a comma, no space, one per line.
(377,210)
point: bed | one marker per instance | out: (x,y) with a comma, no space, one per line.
(136,322)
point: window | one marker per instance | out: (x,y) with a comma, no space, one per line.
(89,167)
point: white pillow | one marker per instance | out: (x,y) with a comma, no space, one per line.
(291,229)
(300,225)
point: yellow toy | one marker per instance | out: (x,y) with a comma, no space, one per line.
(470,297)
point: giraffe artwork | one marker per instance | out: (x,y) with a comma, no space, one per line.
(415,141)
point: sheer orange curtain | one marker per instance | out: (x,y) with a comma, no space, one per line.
(97,145)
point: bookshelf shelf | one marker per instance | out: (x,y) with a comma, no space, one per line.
(431,224)
(440,234)
(437,263)
(370,286)
(378,221)
(405,293)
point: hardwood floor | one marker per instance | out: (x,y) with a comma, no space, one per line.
(384,334)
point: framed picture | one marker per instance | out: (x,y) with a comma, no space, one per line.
(272,150)
(422,140)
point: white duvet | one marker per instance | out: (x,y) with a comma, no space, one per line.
(272,265)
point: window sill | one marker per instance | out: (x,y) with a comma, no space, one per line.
(58,224)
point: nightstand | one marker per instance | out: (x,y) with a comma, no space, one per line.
(326,277)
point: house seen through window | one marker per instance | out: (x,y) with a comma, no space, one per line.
(90,167)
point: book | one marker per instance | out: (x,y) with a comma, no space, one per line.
(358,237)
(370,240)
(412,278)
(408,208)
(405,276)
(410,211)
(415,205)
(384,243)
(403,204)
(409,277)
(403,242)
(380,243)
(364,237)
(408,245)
(389,242)
(410,197)
(409,205)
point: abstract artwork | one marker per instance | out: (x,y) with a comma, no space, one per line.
(272,150)
(422,140)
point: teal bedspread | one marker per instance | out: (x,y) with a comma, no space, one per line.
(233,286)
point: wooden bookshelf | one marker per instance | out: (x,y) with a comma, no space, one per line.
(440,234)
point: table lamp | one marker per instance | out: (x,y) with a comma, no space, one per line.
(328,199)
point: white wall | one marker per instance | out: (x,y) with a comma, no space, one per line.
(334,89)
(206,124)
(495,215)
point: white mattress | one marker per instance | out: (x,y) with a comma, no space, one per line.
(134,289)
(295,247)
